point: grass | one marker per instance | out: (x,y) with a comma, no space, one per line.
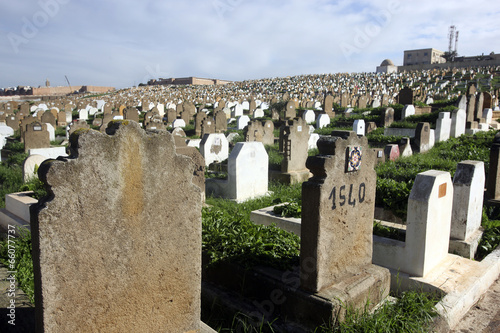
(229,235)
(411,312)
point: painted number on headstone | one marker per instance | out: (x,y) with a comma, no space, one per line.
(350,198)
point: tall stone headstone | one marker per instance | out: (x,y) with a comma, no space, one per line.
(293,143)
(443,127)
(214,148)
(126,262)
(359,126)
(423,137)
(131,113)
(289,112)
(328,105)
(471,108)
(468,193)
(478,112)
(388,117)
(220,121)
(408,110)
(458,123)
(338,205)
(493,181)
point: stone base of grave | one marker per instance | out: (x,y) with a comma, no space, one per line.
(461,283)
(17,211)
(289,178)
(266,216)
(466,248)
(276,295)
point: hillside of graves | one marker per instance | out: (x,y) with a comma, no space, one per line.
(260,177)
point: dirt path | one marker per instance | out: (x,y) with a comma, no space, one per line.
(484,317)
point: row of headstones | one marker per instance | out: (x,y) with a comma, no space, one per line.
(438,210)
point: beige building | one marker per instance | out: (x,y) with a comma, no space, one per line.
(423,57)
(387,66)
(187,81)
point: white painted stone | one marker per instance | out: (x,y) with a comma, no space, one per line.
(323,120)
(232,136)
(31,163)
(376,103)
(484,127)
(5,131)
(443,127)
(458,122)
(405,148)
(242,122)
(52,152)
(237,111)
(100,104)
(313,140)
(408,110)
(52,132)
(432,139)
(258,113)
(43,106)
(194,143)
(468,193)
(488,115)
(93,111)
(428,228)
(359,127)
(317,106)
(161,109)
(309,116)
(245,105)
(264,106)
(33,108)
(83,114)
(179,123)
(214,147)
(247,173)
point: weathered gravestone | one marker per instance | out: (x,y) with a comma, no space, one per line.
(471,107)
(37,136)
(322,120)
(493,181)
(214,148)
(328,105)
(478,112)
(338,205)
(293,144)
(130,113)
(408,110)
(391,152)
(198,118)
(220,121)
(289,112)
(468,193)
(422,137)
(127,262)
(207,126)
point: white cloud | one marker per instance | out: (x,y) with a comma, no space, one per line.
(120,43)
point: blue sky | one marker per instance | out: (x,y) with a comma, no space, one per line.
(123,43)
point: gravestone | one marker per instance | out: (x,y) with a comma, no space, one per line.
(405,96)
(462,102)
(77,125)
(258,113)
(458,123)
(408,110)
(487,116)
(247,173)
(23,126)
(309,116)
(493,181)
(443,127)
(328,105)
(370,127)
(199,170)
(242,122)
(36,136)
(422,137)
(388,117)
(61,119)
(468,193)
(359,127)
(179,123)
(220,121)
(48,118)
(207,126)
(126,255)
(362,101)
(487,100)
(83,114)
(171,115)
(30,164)
(478,112)
(293,144)
(405,148)
(214,148)
(323,120)
(471,107)
(392,152)
(130,113)
(198,118)
(289,112)
(338,205)
(5,132)
(12,121)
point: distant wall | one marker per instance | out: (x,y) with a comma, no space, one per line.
(47,91)
(460,62)
(188,80)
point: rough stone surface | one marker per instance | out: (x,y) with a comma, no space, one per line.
(114,251)
(337,210)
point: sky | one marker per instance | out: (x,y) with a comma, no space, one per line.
(122,43)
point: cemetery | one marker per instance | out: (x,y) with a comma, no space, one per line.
(315,203)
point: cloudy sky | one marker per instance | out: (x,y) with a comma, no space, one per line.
(123,43)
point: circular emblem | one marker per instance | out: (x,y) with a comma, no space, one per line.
(355,158)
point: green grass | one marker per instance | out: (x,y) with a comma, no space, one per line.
(229,235)
(23,262)
(412,312)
